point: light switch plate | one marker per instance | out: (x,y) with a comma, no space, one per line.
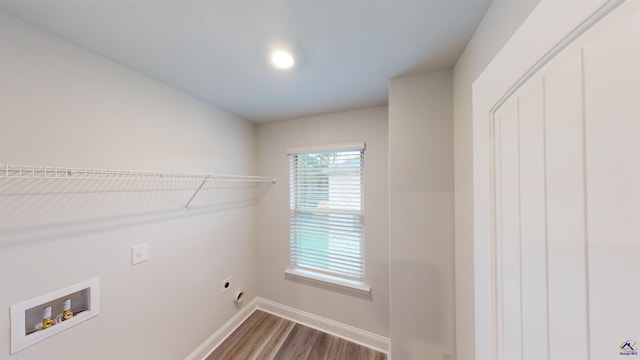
(139,253)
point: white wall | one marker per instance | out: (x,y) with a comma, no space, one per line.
(501,20)
(421,216)
(369,313)
(64,106)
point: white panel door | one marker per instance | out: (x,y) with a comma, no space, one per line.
(612,137)
(566,187)
(508,236)
(565,209)
(533,221)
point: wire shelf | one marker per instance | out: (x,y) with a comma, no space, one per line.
(58,172)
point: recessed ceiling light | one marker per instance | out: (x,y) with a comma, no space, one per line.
(282,59)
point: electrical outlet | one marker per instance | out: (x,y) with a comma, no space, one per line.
(139,253)
(226,285)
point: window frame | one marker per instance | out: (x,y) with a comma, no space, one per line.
(301,272)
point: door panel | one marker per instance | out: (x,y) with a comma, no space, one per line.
(510,230)
(567,200)
(533,221)
(565,209)
(612,118)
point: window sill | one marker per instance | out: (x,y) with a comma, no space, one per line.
(351,285)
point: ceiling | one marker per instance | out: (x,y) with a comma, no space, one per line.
(216,50)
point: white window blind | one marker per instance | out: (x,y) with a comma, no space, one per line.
(326,212)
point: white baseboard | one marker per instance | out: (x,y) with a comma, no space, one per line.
(329,326)
(221,334)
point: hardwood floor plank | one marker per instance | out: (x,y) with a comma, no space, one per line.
(264,336)
(380,356)
(273,343)
(259,335)
(289,343)
(224,349)
(319,347)
(350,350)
(334,347)
(367,353)
(243,337)
(298,343)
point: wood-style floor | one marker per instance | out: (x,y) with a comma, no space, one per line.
(265,336)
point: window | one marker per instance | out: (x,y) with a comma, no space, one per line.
(326,211)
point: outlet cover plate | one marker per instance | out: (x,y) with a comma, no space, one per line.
(139,253)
